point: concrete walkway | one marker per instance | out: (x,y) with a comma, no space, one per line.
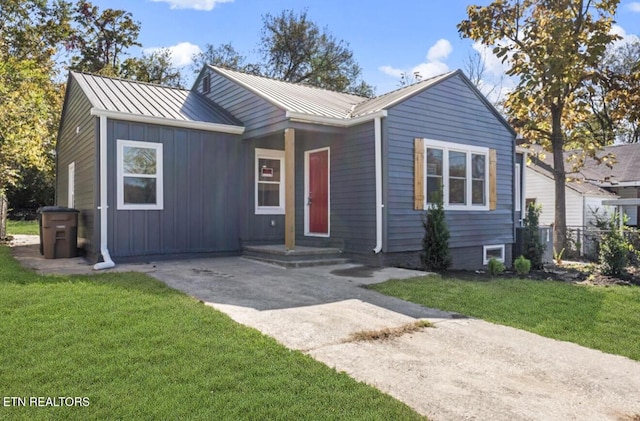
(463,369)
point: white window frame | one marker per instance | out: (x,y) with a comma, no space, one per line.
(159,205)
(71,187)
(269,154)
(485,258)
(518,189)
(447,147)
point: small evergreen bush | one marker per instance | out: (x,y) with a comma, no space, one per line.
(522,265)
(533,247)
(435,243)
(495,266)
(614,250)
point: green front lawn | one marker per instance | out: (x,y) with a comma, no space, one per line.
(136,349)
(23,227)
(604,318)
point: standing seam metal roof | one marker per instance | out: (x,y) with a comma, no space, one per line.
(150,100)
(321,102)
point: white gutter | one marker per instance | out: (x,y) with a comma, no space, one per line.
(107,262)
(334,121)
(377,130)
(187,124)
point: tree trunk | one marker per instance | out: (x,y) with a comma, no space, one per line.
(3,216)
(557,143)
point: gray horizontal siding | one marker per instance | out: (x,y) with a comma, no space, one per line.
(77,143)
(452,112)
(257,115)
(201,195)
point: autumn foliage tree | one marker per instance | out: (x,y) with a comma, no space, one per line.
(553,47)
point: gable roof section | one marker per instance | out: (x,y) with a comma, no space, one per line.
(155,104)
(330,107)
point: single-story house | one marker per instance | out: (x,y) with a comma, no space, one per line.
(242,160)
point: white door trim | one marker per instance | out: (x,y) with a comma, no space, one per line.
(71,190)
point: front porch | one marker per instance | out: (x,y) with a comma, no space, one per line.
(301,256)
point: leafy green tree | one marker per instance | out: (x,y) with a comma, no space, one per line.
(223,55)
(101,38)
(554,48)
(154,67)
(435,243)
(30,101)
(295,49)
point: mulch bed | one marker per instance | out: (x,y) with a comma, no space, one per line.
(572,272)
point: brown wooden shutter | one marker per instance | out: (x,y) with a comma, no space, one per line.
(493,185)
(418,174)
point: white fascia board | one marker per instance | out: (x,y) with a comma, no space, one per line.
(198,125)
(333,121)
(621,202)
(619,184)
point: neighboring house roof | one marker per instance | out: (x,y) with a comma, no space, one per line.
(584,188)
(624,171)
(312,101)
(127,97)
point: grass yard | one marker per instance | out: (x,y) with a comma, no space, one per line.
(136,349)
(23,227)
(604,318)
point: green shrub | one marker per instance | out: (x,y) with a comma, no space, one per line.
(533,247)
(435,244)
(522,266)
(614,250)
(495,266)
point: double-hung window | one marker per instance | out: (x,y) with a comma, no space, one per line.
(269,182)
(459,172)
(140,184)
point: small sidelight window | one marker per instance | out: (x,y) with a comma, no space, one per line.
(140,184)
(269,178)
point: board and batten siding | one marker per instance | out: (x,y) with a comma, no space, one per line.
(77,143)
(352,187)
(450,111)
(258,116)
(201,200)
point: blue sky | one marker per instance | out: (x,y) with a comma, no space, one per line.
(387,37)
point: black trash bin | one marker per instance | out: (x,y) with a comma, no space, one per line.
(58,232)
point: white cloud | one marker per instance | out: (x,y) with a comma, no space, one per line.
(193,4)
(439,51)
(433,66)
(391,71)
(634,6)
(180,53)
(625,38)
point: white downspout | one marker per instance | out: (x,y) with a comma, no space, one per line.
(377,127)
(107,262)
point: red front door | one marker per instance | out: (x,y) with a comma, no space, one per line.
(318,192)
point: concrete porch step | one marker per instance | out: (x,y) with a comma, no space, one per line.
(299,257)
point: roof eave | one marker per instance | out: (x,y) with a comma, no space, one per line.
(198,125)
(333,121)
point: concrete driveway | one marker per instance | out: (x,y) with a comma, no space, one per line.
(462,369)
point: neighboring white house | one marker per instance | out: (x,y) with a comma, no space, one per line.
(583,198)
(619,176)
